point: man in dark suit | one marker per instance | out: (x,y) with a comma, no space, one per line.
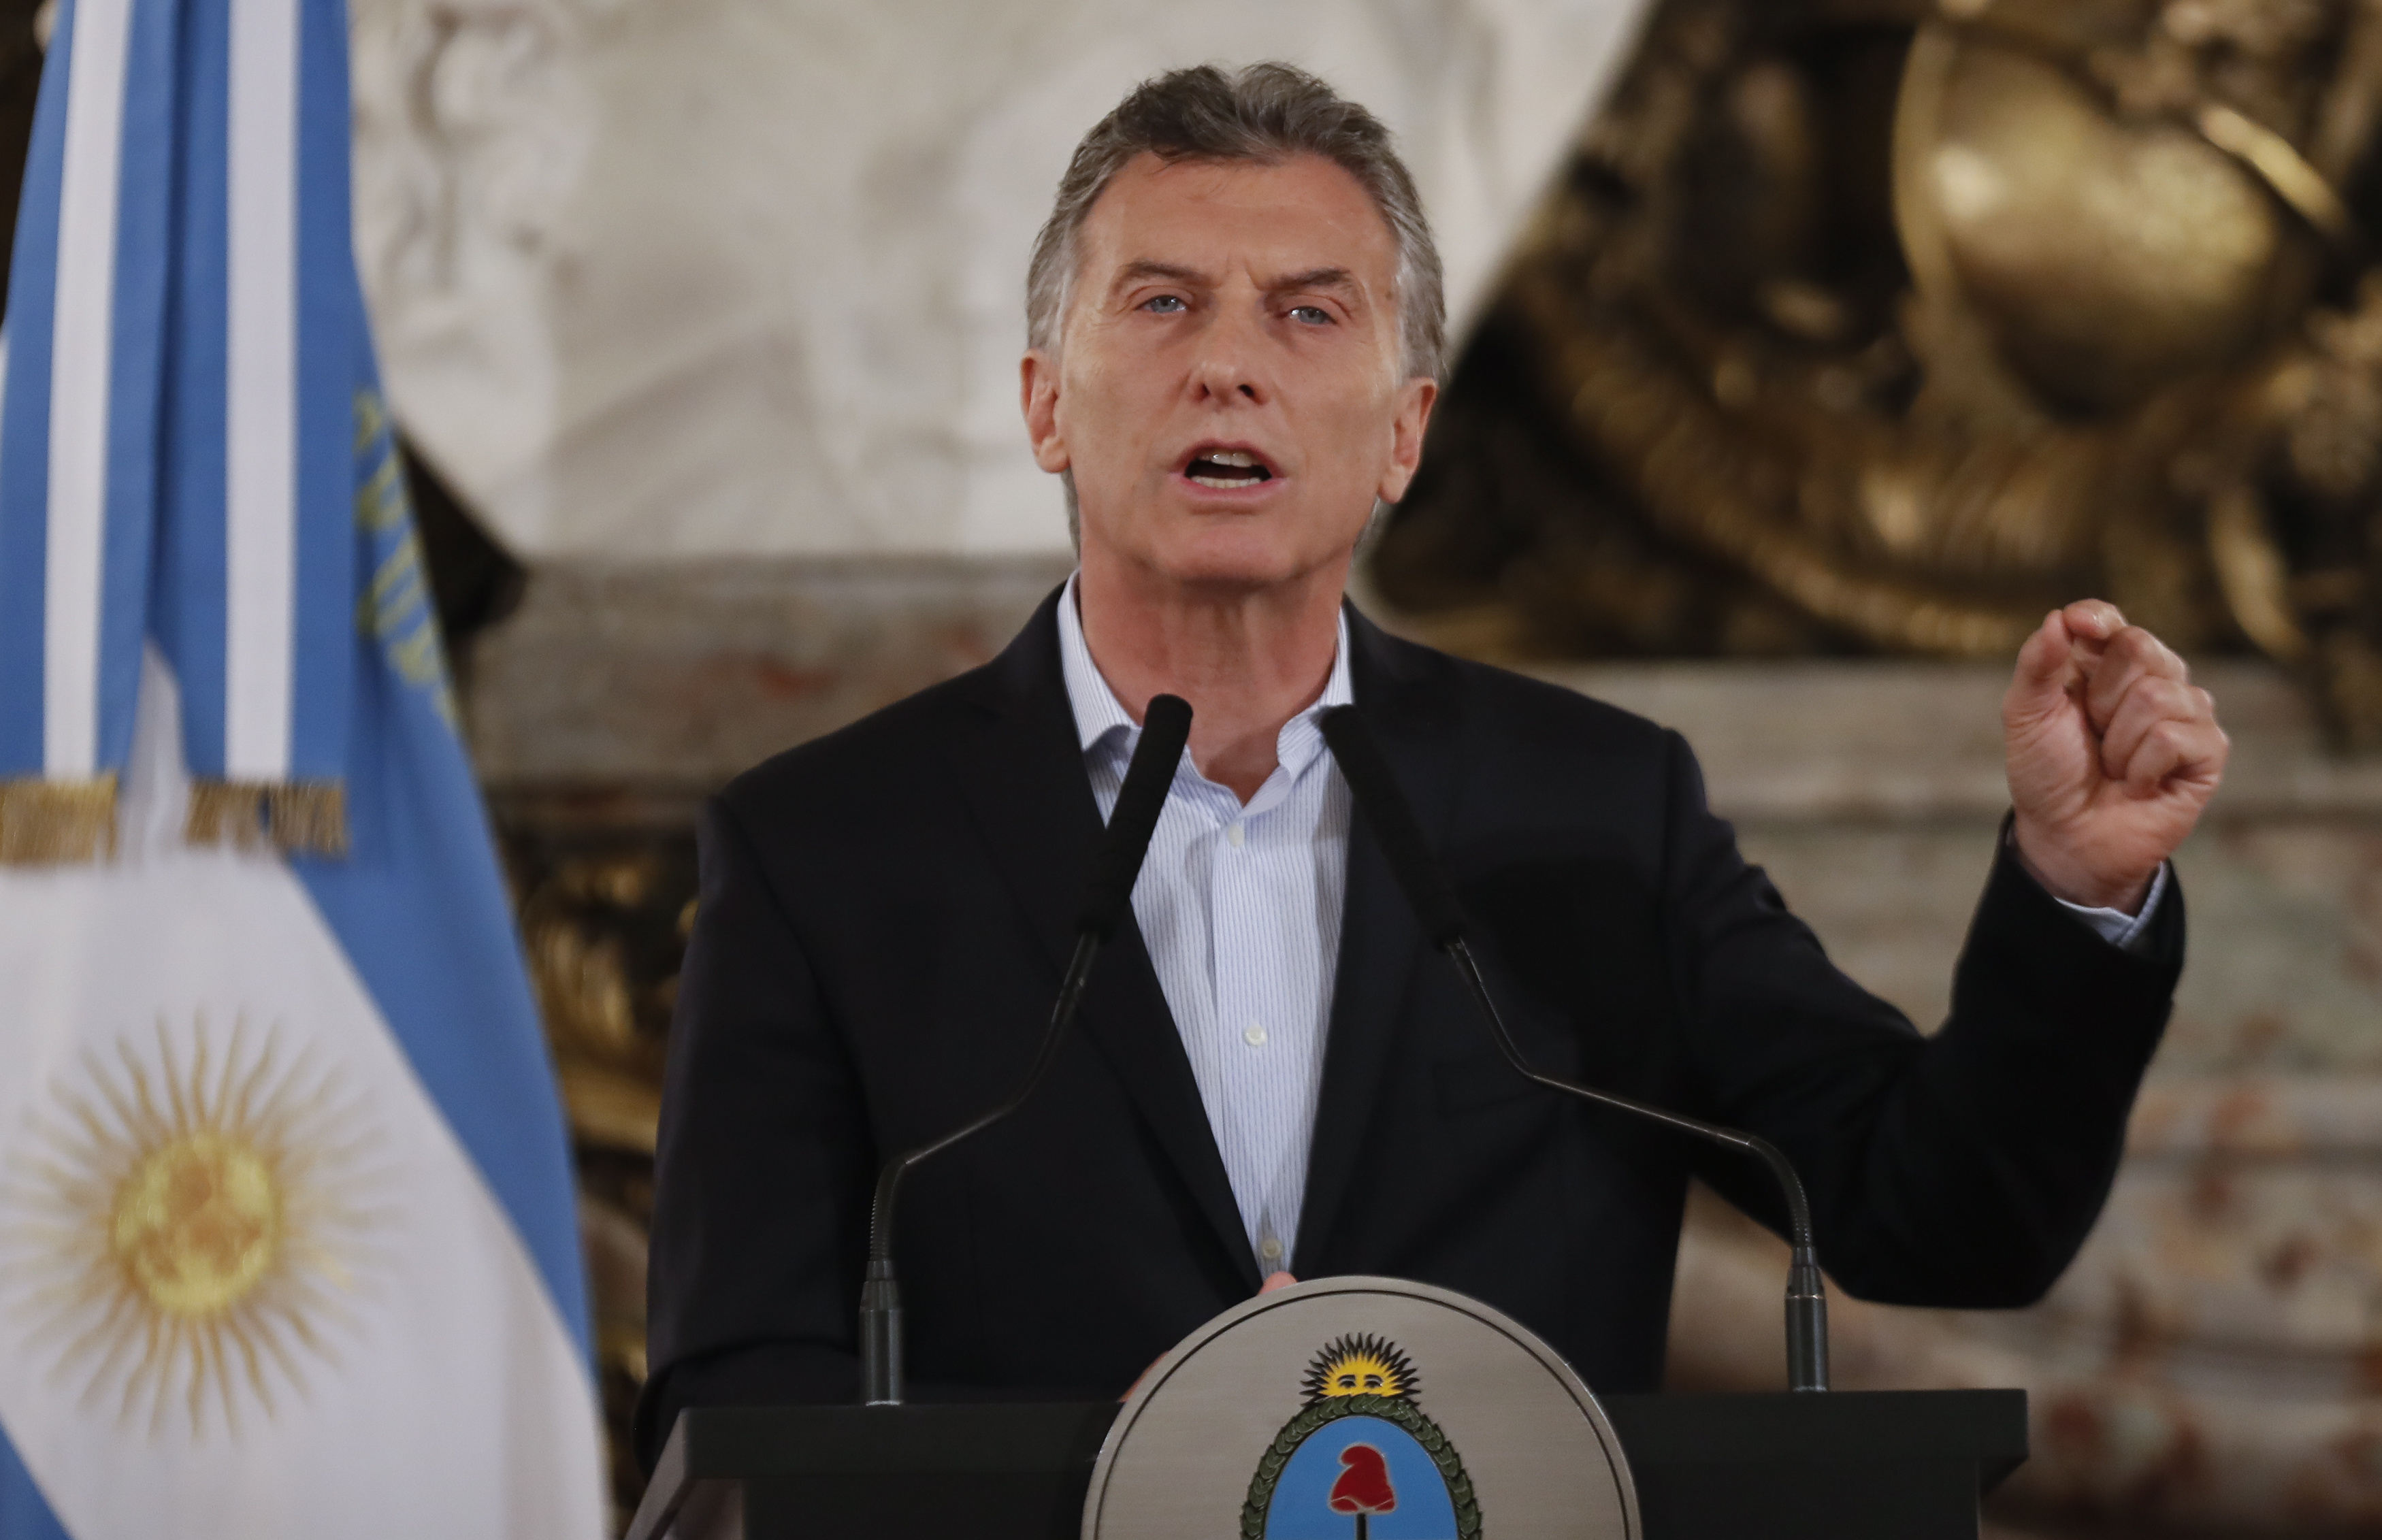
(1235,323)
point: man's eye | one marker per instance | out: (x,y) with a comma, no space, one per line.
(1312,315)
(1164,304)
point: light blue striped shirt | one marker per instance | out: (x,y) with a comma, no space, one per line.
(1241,909)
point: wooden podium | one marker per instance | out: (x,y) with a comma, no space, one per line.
(1843,1465)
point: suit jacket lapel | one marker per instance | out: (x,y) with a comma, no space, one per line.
(1409,704)
(1021,773)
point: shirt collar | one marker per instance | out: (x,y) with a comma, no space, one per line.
(1098,713)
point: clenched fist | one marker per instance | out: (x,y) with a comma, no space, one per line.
(2113,753)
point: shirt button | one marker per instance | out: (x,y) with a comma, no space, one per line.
(1255,1036)
(1269,1249)
(1234,835)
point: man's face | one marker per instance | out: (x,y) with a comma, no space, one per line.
(1229,391)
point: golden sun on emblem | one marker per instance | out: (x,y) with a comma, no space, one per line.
(1361,1365)
(187,1227)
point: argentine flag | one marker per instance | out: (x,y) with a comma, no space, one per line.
(287,1240)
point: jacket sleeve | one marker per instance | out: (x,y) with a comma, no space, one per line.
(763,1172)
(1960,1169)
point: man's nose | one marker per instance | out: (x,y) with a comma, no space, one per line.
(1230,365)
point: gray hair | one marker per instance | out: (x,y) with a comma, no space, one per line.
(1266,113)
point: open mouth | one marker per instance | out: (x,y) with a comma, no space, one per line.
(1227,468)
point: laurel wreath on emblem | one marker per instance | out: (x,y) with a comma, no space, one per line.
(1390,1409)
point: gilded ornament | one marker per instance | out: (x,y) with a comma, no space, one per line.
(1860,327)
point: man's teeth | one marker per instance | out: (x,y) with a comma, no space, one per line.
(1203,468)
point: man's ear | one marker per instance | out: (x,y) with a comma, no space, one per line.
(1416,399)
(1037,392)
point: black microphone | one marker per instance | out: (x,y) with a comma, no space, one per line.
(1165,728)
(1387,813)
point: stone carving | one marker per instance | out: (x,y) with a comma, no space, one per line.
(474,128)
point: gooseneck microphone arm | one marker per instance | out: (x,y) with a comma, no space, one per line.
(1375,789)
(1807,1300)
(1165,728)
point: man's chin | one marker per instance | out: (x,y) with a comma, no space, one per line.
(1238,572)
(1242,559)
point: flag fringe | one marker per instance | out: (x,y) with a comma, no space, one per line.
(47,822)
(308,817)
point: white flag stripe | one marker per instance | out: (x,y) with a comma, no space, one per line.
(259,396)
(81,349)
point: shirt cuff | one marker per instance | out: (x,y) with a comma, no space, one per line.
(2114,925)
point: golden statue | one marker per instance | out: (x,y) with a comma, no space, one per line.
(1857,325)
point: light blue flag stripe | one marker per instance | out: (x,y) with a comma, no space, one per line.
(188,617)
(25,417)
(24,1513)
(323,622)
(146,191)
(417,903)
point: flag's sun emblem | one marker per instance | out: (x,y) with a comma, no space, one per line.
(1360,1453)
(186,1227)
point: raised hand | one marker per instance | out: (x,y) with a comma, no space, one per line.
(2112,753)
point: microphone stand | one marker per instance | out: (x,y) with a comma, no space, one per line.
(1375,790)
(881,1291)
(1807,1299)
(1166,727)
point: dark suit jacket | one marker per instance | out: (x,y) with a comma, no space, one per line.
(883,921)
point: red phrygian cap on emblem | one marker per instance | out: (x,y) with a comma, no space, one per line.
(1364,1486)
